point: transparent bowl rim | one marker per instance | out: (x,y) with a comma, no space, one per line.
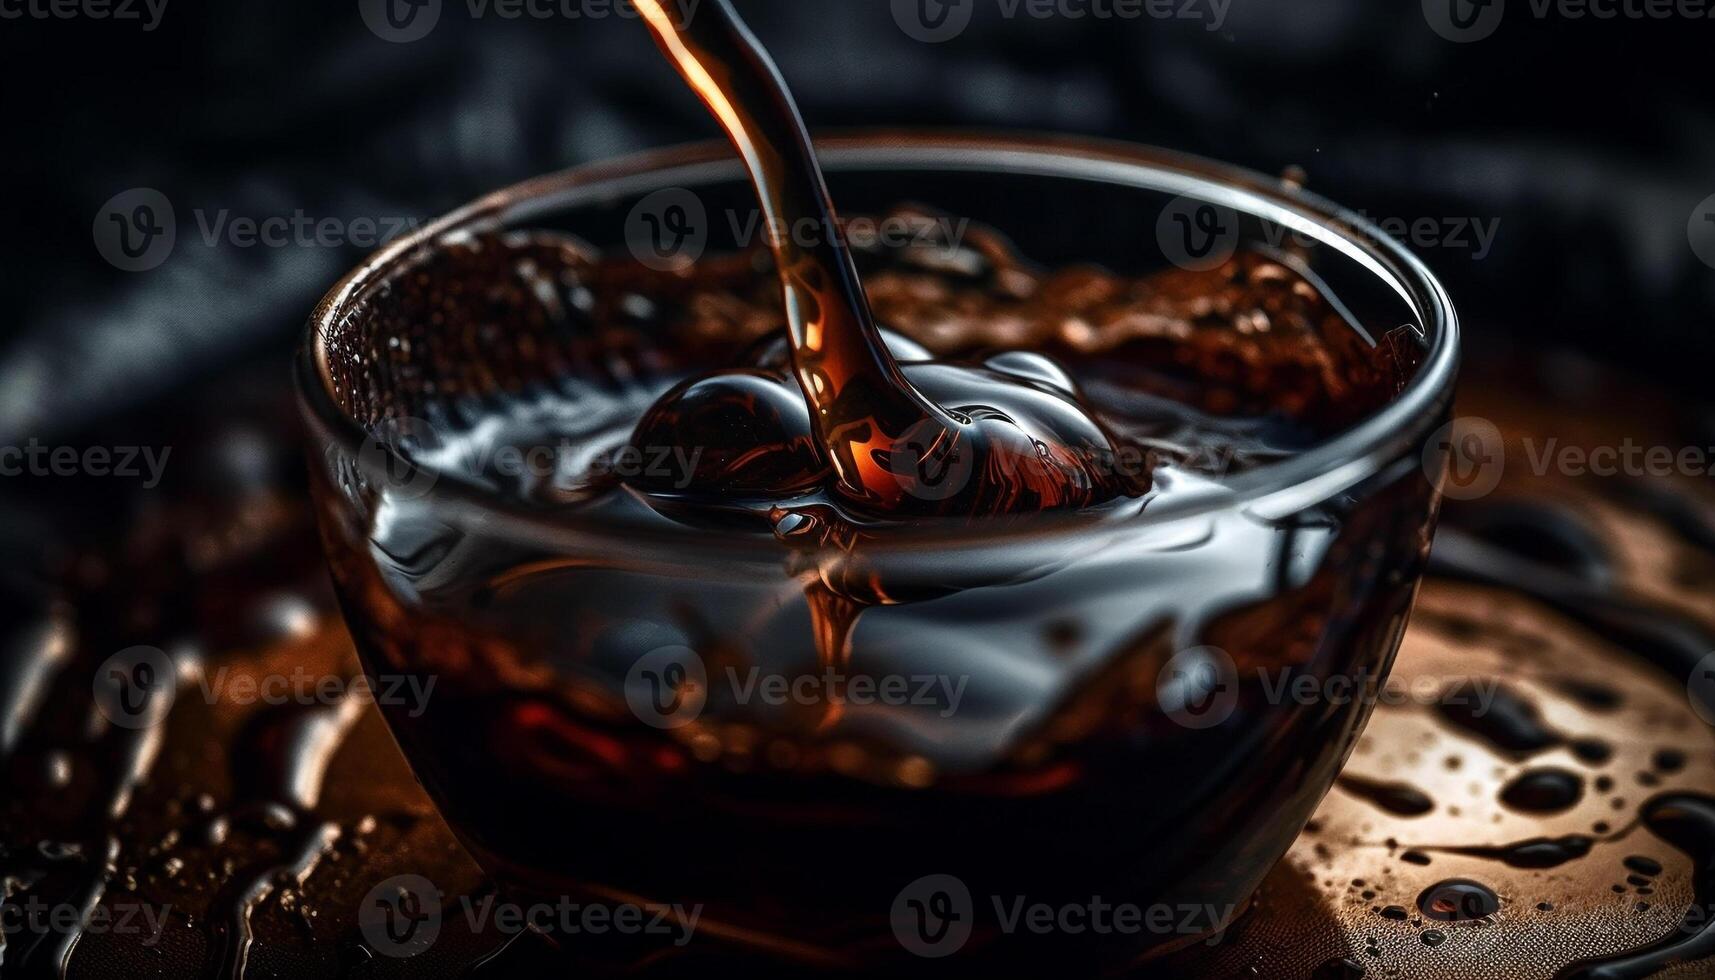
(1271,492)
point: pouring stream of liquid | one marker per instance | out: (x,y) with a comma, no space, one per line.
(861,402)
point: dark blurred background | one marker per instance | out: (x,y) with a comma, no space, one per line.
(1557,171)
(1585,144)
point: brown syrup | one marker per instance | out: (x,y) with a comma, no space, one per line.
(925,438)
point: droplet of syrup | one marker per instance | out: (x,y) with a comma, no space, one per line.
(1545,790)
(1507,721)
(1458,900)
(1397,798)
(1537,852)
(1643,865)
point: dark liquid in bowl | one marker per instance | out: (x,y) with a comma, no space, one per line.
(845,747)
(792,735)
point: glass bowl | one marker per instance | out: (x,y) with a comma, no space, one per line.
(1138,713)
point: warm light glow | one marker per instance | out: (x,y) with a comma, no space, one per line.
(662,26)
